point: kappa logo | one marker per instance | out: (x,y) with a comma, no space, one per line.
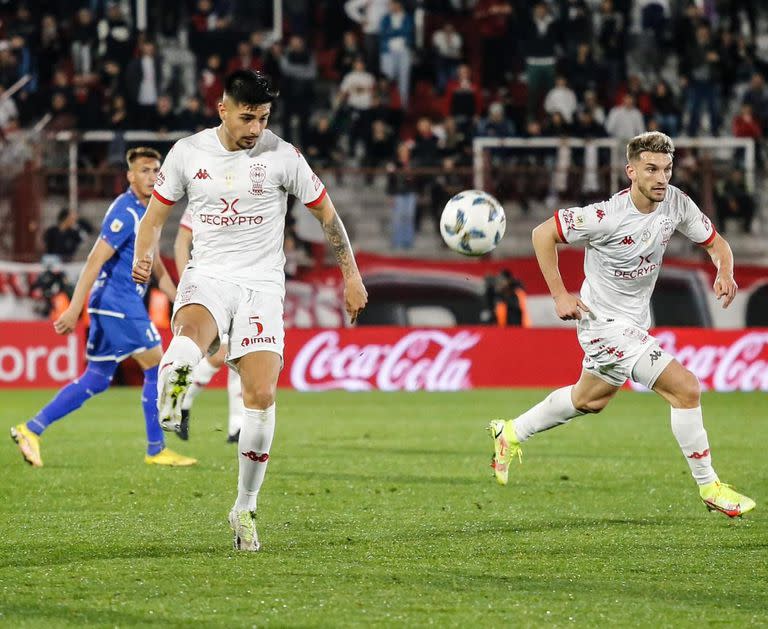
(627,240)
(202,173)
(699,455)
(600,215)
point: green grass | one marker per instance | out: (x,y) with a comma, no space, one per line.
(379,510)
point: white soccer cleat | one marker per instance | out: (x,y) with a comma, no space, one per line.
(243,524)
(173,382)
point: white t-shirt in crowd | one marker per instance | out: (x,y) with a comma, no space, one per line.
(624,249)
(237,204)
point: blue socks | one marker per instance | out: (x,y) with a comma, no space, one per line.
(95,379)
(155,439)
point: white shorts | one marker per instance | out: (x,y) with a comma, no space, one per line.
(253,320)
(616,351)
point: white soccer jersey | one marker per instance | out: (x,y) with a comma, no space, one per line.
(624,249)
(237,204)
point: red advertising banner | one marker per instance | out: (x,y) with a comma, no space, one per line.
(32,355)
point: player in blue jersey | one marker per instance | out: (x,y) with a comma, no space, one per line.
(120,326)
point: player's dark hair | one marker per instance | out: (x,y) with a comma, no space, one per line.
(651,141)
(248,87)
(141,151)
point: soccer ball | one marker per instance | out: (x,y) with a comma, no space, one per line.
(472,223)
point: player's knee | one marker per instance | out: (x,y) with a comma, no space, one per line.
(94,381)
(689,394)
(259,397)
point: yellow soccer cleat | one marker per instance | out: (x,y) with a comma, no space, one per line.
(505,446)
(166,456)
(243,524)
(723,498)
(29,444)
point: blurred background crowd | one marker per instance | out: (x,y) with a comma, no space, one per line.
(396,91)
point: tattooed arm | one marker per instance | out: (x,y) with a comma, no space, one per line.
(355,295)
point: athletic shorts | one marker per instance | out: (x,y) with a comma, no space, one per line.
(253,320)
(618,351)
(113,338)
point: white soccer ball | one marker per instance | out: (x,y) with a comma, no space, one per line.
(472,223)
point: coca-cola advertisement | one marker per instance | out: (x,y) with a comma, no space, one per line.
(418,359)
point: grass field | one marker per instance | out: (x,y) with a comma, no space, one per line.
(379,510)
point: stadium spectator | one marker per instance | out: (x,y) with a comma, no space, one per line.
(403,187)
(116,38)
(496,124)
(210,82)
(381,146)
(369,13)
(143,82)
(734,201)
(700,67)
(322,143)
(491,21)
(756,96)
(348,53)
(561,98)
(612,40)
(50,50)
(540,55)
(299,72)
(463,98)
(634,86)
(745,125)
(665,108)
(396,41)
(163,119)
(84,40)
(575,26)
(65,237)
(455,144)
(593,106)
(192,117)
(447,44)
(583,71)
(355,99)
(625,121)
(585,126)
(247,57)
(507,300)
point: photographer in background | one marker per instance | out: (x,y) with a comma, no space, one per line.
(64,238)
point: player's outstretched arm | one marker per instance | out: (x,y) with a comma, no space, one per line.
(545,240)
(101,252)
(181,248)
(722,257)
(147,238)
(164,281)
(355,295)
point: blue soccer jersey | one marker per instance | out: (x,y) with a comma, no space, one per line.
(120,325)
(114,292)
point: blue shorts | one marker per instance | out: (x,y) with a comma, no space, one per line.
(112,338)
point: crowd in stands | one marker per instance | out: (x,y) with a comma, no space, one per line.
(407,83)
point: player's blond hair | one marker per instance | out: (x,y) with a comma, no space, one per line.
(651,141)
(141,151)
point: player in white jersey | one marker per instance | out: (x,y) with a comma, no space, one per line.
(625,239)
(209,366)
(237,178)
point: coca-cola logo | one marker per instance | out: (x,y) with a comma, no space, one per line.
(740,366)
(429,360)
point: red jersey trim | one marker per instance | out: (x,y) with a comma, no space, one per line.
(710,239)
(162,199)
(317,200)
(559,227)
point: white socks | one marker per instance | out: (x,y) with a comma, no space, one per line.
(201,376)
(557,408)
(236,408)
(253,453)
(688,428)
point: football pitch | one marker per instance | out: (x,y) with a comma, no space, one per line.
(379,509)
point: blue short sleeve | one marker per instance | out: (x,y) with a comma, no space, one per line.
(119,225)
